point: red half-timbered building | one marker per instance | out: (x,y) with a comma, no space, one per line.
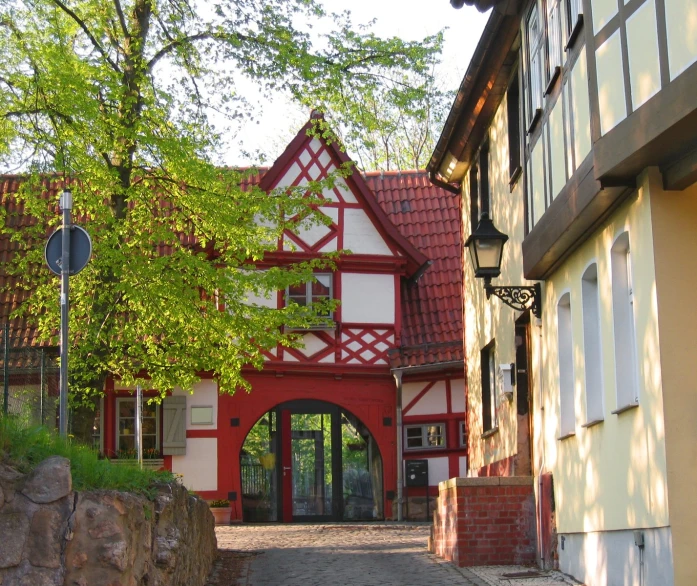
(326,429)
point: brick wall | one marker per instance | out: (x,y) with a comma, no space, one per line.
(485,521)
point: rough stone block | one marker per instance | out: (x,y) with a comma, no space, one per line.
(43,546)
(17,526)
(49,481)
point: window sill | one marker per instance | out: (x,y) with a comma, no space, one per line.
(326,328)
(566,436)
(517,172)
(552,80)
(426,449)
(535,119)
(574,33)
(490,432)
(593,422)
(625,408)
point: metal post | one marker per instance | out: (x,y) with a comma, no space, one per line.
(42,367)
(66,205)
(139,425)
(6,369)
(400,449)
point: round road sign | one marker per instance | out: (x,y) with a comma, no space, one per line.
(80,250)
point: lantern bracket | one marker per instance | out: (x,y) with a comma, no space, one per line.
(517,297)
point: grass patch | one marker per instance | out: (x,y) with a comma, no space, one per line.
(25,447)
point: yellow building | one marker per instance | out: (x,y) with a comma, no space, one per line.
(575,131)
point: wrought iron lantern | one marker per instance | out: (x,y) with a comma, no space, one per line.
(486,252)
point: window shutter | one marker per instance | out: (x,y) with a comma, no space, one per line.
(174,423)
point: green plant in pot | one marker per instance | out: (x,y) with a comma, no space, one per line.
(221,511)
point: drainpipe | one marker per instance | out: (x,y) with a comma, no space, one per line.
(400,451)
(543,461)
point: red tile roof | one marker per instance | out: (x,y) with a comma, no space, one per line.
(427,216)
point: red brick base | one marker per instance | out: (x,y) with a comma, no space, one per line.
(486,521)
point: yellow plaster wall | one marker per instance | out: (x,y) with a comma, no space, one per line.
(612,475)
(487,320)
(675,250)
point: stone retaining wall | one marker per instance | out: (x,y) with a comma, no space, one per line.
(485,521)
(53,536)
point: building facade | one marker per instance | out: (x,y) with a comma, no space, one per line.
(326,429)
(574,131)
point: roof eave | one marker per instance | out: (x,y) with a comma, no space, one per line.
(475,103)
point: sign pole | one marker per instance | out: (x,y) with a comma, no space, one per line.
(139,425)
(66,205)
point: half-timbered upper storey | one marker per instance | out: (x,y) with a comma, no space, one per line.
(596,91)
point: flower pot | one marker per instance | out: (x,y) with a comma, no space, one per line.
(221,515)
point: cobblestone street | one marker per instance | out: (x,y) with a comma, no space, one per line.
(342,554)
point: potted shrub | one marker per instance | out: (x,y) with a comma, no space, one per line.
(221,511)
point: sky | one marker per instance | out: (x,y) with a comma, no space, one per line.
(408,19)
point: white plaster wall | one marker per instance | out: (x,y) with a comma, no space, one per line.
(361,236)
(367,298)
(681,20)
(581,108)
(205,395)
(611,558)
(433,402)
(199,467)
(556,148)
(603,11)
(642,43)
(437,470)
(613,108)
(343,189)
(457,395)
(290,176)
(463,466)
(537,179)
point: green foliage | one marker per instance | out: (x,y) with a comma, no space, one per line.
(25,447)
(220,503)
(115,98)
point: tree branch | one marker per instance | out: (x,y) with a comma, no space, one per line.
(90,36)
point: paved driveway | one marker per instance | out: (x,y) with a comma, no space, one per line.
(350,555)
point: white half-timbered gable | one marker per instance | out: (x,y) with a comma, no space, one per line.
(367,282)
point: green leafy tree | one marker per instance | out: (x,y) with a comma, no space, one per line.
(117,99)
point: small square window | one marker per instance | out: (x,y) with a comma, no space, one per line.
(425,437)
(202,415)
(319,289)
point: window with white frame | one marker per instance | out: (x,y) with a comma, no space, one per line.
(425,436)
(318,289)
(463,434)
(626,378)
(534,33)
(592,347)
(554,50)
(489,394)
(574,16)
(567,408)
(126,428)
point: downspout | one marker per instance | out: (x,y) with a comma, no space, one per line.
(543,462)
(400,450)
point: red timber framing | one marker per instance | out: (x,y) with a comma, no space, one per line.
(349,366)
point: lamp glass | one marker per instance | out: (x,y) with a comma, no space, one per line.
(489,253)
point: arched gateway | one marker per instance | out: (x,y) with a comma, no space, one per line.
(310,460)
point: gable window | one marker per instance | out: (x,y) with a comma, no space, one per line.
(489,398)
(623,321)
(567,408)
(126,427)
(592,347)
(426,436)
(305,294)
